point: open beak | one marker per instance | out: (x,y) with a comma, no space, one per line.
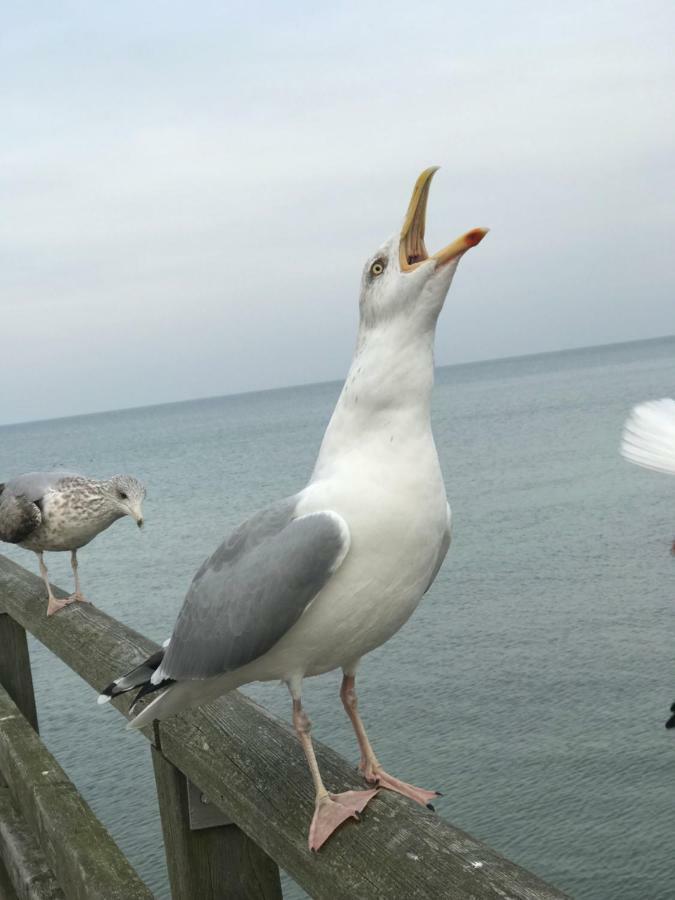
(412,251)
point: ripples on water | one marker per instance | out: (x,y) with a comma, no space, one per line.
(532,684)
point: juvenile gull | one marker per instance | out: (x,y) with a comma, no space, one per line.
(64,511)
(321,578)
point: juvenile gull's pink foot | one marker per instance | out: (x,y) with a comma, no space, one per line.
(55,605)
(332,810)
(77,597)
(382,779)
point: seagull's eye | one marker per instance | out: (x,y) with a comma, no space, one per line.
(377,267)
(123,496)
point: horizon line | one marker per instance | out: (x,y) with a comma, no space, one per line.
(286,387)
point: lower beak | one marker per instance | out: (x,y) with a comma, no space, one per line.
(412,251)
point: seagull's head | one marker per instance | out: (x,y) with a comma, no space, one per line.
(401,281)
(128,494)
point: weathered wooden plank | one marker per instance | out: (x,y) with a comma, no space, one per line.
(7,891)
(219,863)
(15,672)
(84,858)
(398,850)
(24,862)
(250,764)
(93,644)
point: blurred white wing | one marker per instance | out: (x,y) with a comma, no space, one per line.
(649,436)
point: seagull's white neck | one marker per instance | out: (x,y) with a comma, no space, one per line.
(387,393)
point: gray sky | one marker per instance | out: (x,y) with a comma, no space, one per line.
(189,191)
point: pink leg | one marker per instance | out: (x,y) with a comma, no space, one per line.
(53,605)
(78,593)
(370,765)
(330,810)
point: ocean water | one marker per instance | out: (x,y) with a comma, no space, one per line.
(532,684)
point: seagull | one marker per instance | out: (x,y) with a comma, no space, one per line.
(649,437)
(64,511)
(649,441)
(319,579)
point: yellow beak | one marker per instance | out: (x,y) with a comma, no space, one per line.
(412,251)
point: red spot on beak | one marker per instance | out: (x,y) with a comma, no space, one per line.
(474,237)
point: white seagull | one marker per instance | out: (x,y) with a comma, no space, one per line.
(649,437)
(318,580)
(63,511)
(649,441)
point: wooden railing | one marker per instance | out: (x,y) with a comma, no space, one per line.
(233,754)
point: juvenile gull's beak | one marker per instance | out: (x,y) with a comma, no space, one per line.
(412,250)
(136,514)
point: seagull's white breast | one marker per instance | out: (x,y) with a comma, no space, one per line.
(396,510)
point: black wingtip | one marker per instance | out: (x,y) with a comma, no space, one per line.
(150,688)
(671,721)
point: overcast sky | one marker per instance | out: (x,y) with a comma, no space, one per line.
(189,190)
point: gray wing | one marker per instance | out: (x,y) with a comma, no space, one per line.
(442,551)
(20,498)
(18,517)
(256,585)
(34,485)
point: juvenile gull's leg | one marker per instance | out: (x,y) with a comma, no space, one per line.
(54,605)
(370,765)
(330,810)
(78,593)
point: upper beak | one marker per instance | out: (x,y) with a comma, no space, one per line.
(139,521)
(412,251)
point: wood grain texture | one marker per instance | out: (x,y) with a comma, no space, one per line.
(24,862)
(83,857)
(249,763)
(219,863)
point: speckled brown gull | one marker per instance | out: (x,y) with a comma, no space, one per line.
(61,511)
(319,579)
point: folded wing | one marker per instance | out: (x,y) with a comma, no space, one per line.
(252,590)
(19,516)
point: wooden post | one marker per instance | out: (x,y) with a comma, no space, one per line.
(24,863)
(77,848)
(15,672)
(219,863)
(7,892)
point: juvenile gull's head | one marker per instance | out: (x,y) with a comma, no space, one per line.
(127,493)
(401,281)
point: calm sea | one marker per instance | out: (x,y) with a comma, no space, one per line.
(533,683)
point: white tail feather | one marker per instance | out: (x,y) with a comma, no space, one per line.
(185,695)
